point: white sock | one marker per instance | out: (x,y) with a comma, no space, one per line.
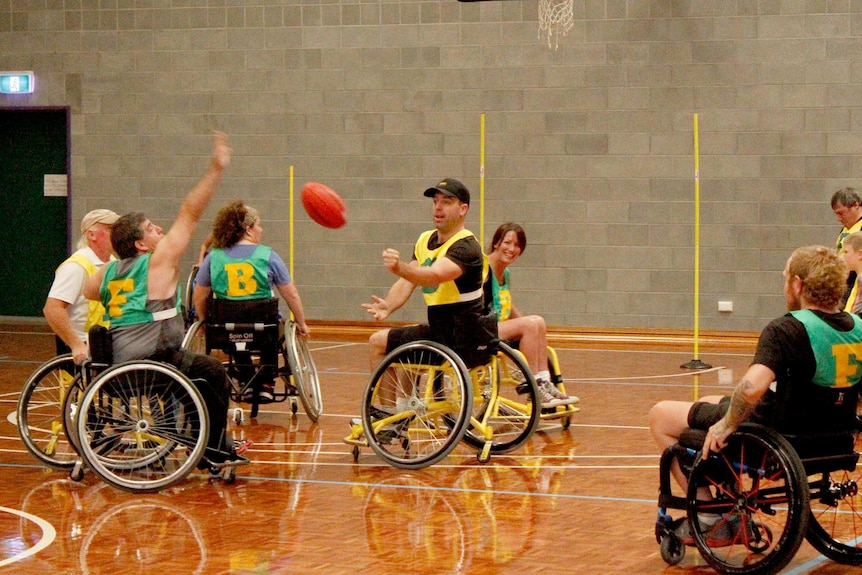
(546,375)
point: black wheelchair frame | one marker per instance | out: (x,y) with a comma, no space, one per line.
(767,492)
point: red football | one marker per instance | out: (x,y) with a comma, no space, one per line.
(323,205)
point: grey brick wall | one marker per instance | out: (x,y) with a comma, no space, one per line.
(589,145)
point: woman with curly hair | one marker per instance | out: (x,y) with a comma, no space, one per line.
(239,267)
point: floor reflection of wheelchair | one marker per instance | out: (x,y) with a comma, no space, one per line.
(259,349)
(472,519)
(438,402)
(144,535)
(768,492)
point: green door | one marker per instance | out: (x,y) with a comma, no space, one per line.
(34,228)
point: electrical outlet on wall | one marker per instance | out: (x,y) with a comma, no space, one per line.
(725,306)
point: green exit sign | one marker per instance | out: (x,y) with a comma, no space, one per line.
(16,82)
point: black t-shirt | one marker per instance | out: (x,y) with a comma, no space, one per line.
(785,348)
(460,325)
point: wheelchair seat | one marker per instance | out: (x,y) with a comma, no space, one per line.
(243,325)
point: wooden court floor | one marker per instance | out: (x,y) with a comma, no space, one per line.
(580,500)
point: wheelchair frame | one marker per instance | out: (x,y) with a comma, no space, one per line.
(770,495)
(297,369)
(438,402)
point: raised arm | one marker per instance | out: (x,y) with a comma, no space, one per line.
(163,272)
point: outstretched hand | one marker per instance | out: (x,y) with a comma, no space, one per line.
(221,150)
(378,308)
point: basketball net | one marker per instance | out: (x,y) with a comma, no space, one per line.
(556,17)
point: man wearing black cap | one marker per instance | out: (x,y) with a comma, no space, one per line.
(447,264)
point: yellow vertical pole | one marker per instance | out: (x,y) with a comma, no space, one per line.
(290,227)
(696,363)
(482,180)
(696,239)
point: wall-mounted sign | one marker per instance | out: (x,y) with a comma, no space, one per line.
(16,83)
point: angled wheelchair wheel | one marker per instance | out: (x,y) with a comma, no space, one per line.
(189,314)
(195,339)
(757,513)
(417,404)
(70,414)
(40,411)
(505,394)
(142,425)
(303,372)
(835,525)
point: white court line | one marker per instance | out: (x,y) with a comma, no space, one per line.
(380,463)
(335,346)
(652,352)
(48,535)
(641,377)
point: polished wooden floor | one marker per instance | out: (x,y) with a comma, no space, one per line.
(580,500)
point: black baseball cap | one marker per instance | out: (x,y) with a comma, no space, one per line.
(450,187)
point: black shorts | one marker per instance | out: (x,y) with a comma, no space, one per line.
(474,345)
(704,415)
(400,335)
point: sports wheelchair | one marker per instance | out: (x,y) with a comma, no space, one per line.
(767,491)
(140,425)
(422,400)
(251,337)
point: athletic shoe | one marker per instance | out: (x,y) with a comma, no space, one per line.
(722,533)
(546,398)
(267,393)
(231,457)
(568,399)
(550,395)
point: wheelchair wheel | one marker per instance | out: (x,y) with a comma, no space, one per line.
(195,338)
(304,372)
(835,525)
(40,412)
(70,414)
(143,426)
(416,407)
(758,512)
(189,314)
(511,415)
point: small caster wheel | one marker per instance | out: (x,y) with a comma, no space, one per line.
(238,416)
(567,421)
(229,475)
(77,472)
(293,405)
(672,549)
(355,453)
